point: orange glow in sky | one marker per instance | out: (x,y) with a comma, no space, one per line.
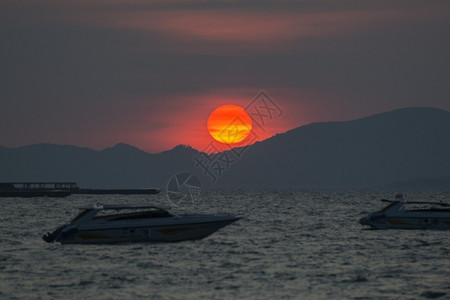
(229,124)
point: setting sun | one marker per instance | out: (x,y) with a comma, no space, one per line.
(229,124)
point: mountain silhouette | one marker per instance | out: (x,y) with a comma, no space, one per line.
(395,146)
(122,166)
(401,146)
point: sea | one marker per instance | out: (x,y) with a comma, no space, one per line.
(288,244)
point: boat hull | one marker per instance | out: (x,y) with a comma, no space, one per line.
(150,233)
(397,222)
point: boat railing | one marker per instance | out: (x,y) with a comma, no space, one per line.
(39,185)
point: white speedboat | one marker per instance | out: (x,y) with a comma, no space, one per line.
(123,223)
(400,214)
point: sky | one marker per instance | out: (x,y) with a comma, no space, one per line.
(149,73)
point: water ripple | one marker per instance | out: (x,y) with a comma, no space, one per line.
(287,245)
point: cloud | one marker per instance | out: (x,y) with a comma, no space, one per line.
(236,27)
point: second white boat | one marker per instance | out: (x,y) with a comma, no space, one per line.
(400,214)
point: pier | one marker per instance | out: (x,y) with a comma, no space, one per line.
(37,189)
(61,189)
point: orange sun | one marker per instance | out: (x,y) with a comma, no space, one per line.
(229,124)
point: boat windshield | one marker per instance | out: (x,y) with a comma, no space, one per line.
(130,214)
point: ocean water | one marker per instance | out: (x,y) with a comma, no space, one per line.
(288,245)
